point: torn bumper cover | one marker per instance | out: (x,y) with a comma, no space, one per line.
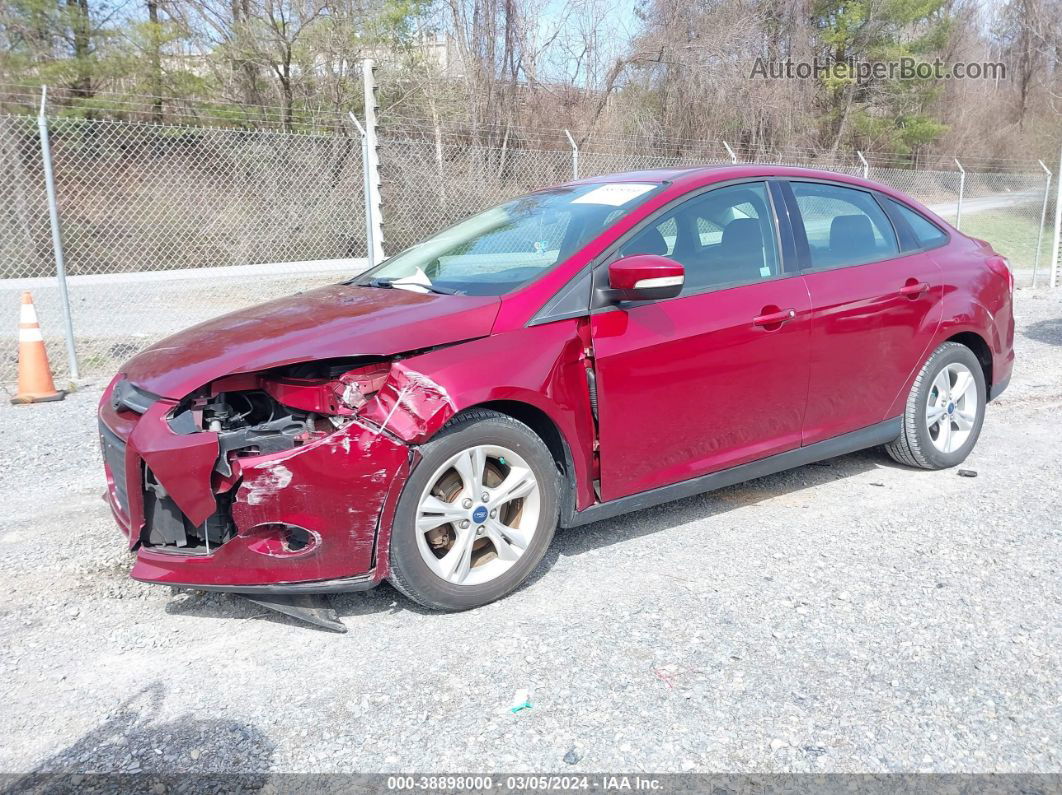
(220,494)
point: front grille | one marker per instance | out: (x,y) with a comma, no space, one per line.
(114,457)
(166,526)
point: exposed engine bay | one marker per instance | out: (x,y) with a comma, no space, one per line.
(256,414)
(261,413)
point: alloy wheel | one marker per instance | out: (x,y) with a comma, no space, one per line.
(478,514)
(951,410)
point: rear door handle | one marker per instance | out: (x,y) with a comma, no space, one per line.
(774,318)
(914,290)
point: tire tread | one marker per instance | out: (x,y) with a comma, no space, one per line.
(906,449)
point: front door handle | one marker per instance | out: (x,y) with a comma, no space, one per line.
(774,318)
(914,289)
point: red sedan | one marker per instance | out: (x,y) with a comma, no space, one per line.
(574,354)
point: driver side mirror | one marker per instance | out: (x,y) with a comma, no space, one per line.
(644,277)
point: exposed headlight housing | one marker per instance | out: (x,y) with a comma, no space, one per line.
(338,396)
(276,410)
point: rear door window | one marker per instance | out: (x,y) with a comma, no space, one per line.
(844,226)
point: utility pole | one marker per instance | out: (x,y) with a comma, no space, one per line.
(57,236)
(962,189)
(372,162)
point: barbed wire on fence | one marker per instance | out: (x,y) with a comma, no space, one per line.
(23,98)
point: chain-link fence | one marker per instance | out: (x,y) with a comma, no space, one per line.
(426,186)
(166,226)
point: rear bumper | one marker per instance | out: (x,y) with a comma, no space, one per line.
(338,491)
(998,388)
(1002,365)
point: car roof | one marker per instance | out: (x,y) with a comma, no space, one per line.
(692,177)
(645,175)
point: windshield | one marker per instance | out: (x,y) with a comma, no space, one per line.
(511,244)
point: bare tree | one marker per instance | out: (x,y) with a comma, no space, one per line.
(155,59)
(80,37)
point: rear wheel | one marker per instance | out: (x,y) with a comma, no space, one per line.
(477,514)
(944,411)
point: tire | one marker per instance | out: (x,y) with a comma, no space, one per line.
(495,564)
(918,444)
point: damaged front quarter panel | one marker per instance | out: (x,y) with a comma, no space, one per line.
(337,489)
(334,488)
(291,483)
(409,405)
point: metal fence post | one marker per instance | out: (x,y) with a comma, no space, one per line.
(866,165)
(1058,225)
(1043,220)
(57,237)
(729,151)
(575,155)
(962,187)
(368,74)
(366,190)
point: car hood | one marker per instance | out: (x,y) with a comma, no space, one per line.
(329,322)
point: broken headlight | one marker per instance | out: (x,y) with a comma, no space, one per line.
(261,413)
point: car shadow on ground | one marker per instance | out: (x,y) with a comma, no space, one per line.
(567,542)
(216,752)
(1049,331)
(597,535)
(578,540)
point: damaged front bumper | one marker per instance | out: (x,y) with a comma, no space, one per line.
(300,520)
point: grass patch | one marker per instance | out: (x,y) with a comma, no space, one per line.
(1012,232)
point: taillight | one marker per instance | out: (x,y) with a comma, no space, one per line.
(999,264)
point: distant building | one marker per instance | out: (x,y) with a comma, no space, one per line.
(439,50)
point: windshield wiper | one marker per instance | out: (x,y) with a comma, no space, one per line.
(390,283)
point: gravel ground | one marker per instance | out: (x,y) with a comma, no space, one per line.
(853,616)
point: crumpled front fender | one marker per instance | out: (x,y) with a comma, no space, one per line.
(410,405)
(338,489)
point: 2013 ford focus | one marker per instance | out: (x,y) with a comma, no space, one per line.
(580,352)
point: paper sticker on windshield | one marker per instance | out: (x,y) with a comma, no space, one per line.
(614,194)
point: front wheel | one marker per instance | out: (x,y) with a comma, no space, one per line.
(476,515)
(944,411)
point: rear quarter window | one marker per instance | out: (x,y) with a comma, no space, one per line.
(927,233)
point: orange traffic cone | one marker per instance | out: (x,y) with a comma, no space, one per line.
(35,383)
